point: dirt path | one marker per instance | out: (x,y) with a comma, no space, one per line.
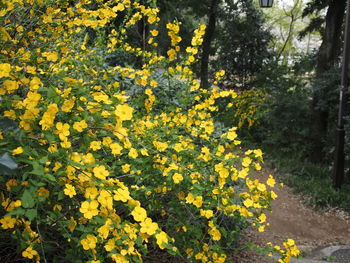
(290,218)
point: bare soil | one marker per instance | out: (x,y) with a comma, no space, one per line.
(291,218)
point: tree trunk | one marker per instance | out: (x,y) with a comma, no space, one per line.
(327,56)
(207,39)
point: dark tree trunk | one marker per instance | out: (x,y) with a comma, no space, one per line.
(142,31)
(327,56)
(207,39)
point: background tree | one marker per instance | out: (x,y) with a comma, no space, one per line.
(242,46)
(327,59)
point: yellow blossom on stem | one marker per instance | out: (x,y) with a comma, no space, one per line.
(95,145)
(89,242)
(139,214)
(148,226)
(161,238)
(29,252)
(100,172)
(105,199)
(89,209)
(7,222)
(177,178)
(18,150)
(123,112)
(70,190)
(80,125)
(271,181)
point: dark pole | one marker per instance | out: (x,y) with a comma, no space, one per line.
(338,176)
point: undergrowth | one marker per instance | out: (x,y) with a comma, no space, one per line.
(313,182)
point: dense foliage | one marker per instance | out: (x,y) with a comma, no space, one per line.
(104,163)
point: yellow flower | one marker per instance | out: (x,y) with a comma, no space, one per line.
(80,125)
(10,85)
(198,201)
(154,33)
(5,69)
(91,192)
(248,202)
(231,135)
(100,172)
(261,228)
(190,198)
(133,153)
(103,231)
(161,238)
(116,148)
(110,245)
(206,213)
(29,252)
(148,226)
(118,258)
(290,242)
(89,242)
(62,130)
(177,178)
(68,105)
(215,233)
(48,118)
(123,112)
(126,168)
(89,209)
(106,141)
(105,199)
(161,146)
(122,194)
(18,150)
(144,152)
(261,187)
(246,161)
(66,144)
(70,190)
(139,214)
(50,56)
(7,222)
(271,182)
(72,224)
(95,145)
(273,195)
(262,218)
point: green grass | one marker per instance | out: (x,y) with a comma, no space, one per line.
(312,182)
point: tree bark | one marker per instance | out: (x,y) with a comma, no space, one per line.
(327,56)
(207,39)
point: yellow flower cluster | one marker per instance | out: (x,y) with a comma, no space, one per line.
(109,172)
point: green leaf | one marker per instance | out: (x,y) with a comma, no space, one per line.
(31,214)
(60,196)
(27,199)
(37,169)
(36,183)
(49,177)
(16,212)
(49,136)
(43,160)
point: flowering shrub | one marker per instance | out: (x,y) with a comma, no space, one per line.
(95,167)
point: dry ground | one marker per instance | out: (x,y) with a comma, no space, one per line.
(291,218)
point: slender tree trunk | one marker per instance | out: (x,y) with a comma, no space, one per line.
(207,39)
(327,56)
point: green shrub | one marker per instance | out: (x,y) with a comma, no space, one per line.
(94,166)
